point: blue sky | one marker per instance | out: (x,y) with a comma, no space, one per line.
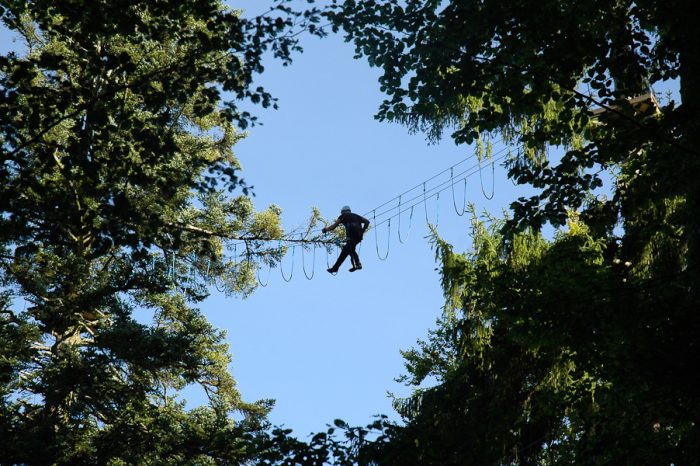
(328,347)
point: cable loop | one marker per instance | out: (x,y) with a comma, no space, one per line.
(291,274)
(376,238)
(313,264)
(269,271)
(493,179)
(220,290)
(410,223)
(464,197)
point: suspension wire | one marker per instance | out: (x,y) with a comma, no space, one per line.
(425,209)
(451,169)
(313,264)
(376,239)
(464,196)
(410,223)
(426,181)
(301,241)
(421,198)
(493,179)
(446,184)
(401,207)
(459,177)
(425,195)
(291,274)
(269,271)
(220,290)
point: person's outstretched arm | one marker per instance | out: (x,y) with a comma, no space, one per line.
(331,227)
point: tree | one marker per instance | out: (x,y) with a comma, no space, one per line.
(579,350)
(540,358)
(116,197)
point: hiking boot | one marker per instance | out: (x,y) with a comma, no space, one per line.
(357,267)
(332,271)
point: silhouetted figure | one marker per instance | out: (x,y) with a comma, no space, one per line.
(355,227)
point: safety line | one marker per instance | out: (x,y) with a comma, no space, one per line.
(303,239)
(493,180)
(457,178)
(223,289)
(313,264)
(401,207)
(319,240)
(269,272)
(410,223)
(505,148)
(464,196)
(388,240)
(460,177)
(291,274)
(429,179)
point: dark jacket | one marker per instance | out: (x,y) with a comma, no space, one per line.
(355,225)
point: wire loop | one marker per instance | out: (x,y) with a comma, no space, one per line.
(464,197)
(269,270)
(493,179)
(221,290)
(410,223)
(313,264)
(376,238)
(291,274)
(425,206)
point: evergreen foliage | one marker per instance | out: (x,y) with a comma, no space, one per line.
(581,349)
(116,150)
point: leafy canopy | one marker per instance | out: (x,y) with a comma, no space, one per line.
(581,349)
(116,198)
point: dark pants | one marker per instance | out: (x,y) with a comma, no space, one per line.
(348,249)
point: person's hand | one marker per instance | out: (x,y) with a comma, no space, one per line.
(324,230)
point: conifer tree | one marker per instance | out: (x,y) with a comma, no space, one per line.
(582,349)
(120,196)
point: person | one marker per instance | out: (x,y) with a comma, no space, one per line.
(355,227)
